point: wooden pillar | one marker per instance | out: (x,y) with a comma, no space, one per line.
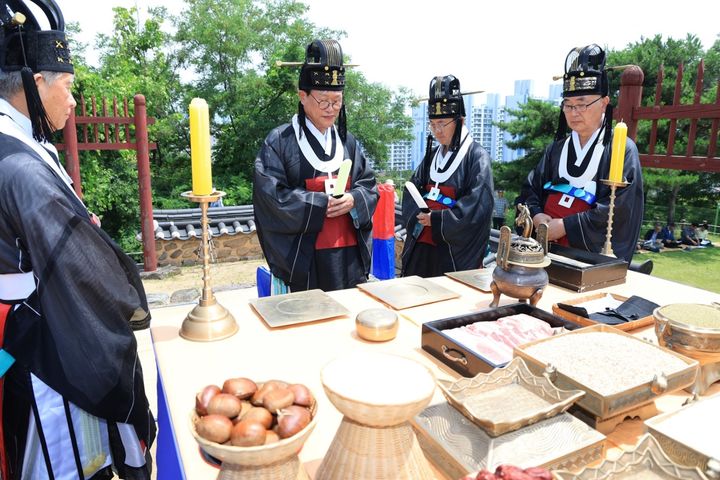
(72,160)
(143,164)
(631,82)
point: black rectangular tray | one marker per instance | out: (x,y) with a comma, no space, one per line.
(603,271)
(460,358)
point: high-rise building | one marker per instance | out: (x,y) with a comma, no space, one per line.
(400,155)
(523,88)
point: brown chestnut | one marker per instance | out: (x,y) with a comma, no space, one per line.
(224,404)
(259,414)
(247,433)
(216,428)
(264,389)
(303,397)
(291,420)
(277,399)
(240,387)
(271,437)
(203,397)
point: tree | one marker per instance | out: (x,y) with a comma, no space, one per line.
(533,126)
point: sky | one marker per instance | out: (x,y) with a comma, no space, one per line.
(486,44)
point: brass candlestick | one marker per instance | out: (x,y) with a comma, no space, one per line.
(607,249)
(209,320)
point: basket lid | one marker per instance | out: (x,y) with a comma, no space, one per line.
(693,315)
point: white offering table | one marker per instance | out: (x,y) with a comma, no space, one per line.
(297,354)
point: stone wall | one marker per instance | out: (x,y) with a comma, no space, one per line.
(227,248)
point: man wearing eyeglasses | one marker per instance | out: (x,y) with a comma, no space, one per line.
(310,237)
(455,181)
(564,190)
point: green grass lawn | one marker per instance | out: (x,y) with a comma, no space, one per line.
(698,268)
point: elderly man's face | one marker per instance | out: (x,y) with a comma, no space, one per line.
(585,122)
(443,130)
(321,107)
(57,98)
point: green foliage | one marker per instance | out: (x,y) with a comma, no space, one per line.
(533,127)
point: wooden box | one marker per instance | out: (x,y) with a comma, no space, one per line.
(581,271)
(461,358)
(587,322)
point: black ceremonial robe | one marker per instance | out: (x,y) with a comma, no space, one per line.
(587,230)
(73,332)
(460,233)
(289,217)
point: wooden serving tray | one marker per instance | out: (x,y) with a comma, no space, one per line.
(587,322)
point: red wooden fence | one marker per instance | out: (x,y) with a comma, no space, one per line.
(630,110)
(112,131)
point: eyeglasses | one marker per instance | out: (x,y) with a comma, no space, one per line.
(578,108)
(325,104)
(437,128)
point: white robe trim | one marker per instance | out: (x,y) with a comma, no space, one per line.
(331,165)
(16,286)
(585,181)
(439,160)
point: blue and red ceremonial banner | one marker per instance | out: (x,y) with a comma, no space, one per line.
(383,259)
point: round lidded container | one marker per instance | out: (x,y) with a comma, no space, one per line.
(690,326)
(376,324)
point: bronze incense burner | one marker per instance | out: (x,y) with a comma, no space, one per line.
(520,271)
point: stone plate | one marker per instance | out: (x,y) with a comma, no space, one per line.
(479,278)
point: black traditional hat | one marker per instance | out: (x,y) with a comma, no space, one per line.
(25,47)
(445,99)
(585,74)
(323,67)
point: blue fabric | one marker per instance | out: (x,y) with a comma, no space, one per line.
(167,456)
(383,259)
(6,361)
(441,199)
(567,189)
(278,287)
(262,281)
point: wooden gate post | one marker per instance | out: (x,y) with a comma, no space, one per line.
(143,165)
(631,82)
(72,162)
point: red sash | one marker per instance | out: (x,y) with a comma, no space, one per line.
(426,234)
(336,232)
(4,310)
(556,210)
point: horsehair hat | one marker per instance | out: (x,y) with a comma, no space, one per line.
(25,47)
(445,99)
(585,72)
(323,68)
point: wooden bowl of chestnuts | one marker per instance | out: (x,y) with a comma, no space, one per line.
(251,425)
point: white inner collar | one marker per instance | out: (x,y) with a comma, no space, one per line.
(331,165)
(582,151)
(439,160)
(324,139)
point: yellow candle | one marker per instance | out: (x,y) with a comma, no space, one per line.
(618,152)
(200,147)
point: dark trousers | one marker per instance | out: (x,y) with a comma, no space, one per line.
(498,222)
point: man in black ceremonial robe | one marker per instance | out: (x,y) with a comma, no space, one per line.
(73,401)
(310,238)
(564,190)
(455,180)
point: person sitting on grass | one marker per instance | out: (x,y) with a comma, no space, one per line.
(688,235)
(653,241)
(702,235)
(668,236)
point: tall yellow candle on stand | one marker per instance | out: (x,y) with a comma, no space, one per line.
(617,160)
(200,147)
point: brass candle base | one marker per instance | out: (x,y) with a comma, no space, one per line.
(209,320)
(607,248)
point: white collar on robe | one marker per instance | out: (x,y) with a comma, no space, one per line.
(331,165)
(439,160)
(586,180)
(17,125)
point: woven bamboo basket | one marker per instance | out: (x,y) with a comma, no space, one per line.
(377,394)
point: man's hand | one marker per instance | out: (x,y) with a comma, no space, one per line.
(424,219)
(541,218)
(556,229)
(339,206)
